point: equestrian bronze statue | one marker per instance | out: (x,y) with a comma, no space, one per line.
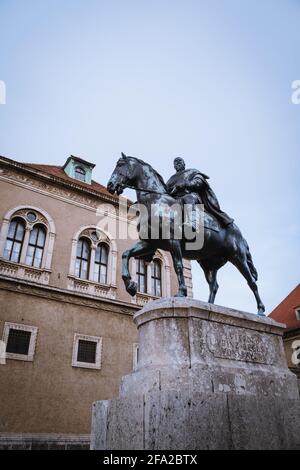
(222,239)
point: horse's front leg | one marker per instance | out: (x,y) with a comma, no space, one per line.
(139,249)
(178,266)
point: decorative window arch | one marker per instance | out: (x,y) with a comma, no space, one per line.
(29,255)
(101,276)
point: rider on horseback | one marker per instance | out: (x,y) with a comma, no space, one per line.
(191,187)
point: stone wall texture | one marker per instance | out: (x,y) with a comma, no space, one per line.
(207,378)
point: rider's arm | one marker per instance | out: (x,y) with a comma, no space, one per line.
(196,184)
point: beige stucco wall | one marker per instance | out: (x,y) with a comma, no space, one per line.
(48,394)
(68,218)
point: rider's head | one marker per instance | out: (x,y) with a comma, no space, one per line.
(179,164)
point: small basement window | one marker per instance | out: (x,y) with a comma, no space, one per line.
(20,341)
(87,351)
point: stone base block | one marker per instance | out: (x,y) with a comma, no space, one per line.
(207,377)
(183,421)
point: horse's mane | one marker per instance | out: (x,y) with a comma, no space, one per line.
(154,171)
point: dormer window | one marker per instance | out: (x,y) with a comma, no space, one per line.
(79,169)
(80,173)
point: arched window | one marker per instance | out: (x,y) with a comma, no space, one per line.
(156,278)
(36,246)
(80,173)
(83,258)
(14,240)
(101,262)
(141,274)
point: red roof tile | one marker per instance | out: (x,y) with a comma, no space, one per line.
(58,172)
(285,311)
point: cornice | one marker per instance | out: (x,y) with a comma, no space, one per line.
(64,295)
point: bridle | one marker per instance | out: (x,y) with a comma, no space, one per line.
(124,186)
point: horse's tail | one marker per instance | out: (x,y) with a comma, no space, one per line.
(251,265)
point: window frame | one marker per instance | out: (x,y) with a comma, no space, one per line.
(155,279)
(32,343)
(87,365)
(78,276)
(21,221)
(141,274)
(100,263)
(20,270)
(39,227)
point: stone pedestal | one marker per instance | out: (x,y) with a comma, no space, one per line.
(207,377)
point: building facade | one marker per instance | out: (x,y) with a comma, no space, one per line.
(288,312)
(65,316)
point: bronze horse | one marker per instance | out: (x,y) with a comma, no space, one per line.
(220,246)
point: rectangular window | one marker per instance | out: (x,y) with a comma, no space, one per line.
(16,252)
(141,275)
(20,341)
(8,249)
(87,351)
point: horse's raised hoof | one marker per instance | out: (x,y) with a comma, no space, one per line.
(261,312)
(131,288)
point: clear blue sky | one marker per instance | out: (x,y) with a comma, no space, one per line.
(207,80)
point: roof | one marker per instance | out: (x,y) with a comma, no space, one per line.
(285,311)
(58,172)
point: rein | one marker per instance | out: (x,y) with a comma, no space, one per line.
(142,190)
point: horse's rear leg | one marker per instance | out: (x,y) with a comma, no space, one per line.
(211,277)
(210,267)
(241,263)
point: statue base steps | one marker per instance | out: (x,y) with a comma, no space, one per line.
(207,377)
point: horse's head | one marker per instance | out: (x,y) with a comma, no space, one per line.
(123,175)
(135,173)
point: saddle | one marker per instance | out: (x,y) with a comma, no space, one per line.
(207,221)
